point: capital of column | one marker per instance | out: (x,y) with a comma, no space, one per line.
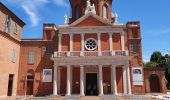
(122,33)
(110,34)
(113,66)
(81,65)
(59,35)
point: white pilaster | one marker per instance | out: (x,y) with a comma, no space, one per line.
(100,80)
(68,80)
(99,44)
(82,44)
(124,80)
(59,42)
(128,79)
(55,81)
(71,42)
(81,80)
(122,41)
(58,79)
(110,43)
(114,83)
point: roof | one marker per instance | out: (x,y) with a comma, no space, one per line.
(104,21)
(22,23)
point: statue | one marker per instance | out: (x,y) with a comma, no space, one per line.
(90,8)
(65,20)
(115,17)
(93,9)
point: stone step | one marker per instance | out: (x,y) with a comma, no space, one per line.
(91,98)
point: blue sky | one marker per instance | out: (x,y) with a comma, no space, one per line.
(154,16)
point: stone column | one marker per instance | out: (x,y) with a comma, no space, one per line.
(128,79)
(68,80)
(114,83)
(82,44)
(81,80)
(58,79)
(122,41)
(71,42)
(99,44)
(100,80)
(55,81)
(110,43)
(59,42)
(124,80)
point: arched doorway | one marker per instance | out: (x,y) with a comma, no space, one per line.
(154,83)
(30,82)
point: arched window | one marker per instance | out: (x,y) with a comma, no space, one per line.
(135,48)
(77,12)
(105,11)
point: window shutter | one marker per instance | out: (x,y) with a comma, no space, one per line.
(13,55)
(31,58)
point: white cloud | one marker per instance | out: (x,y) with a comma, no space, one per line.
(31,8)
(158,32)
(60,2)
(32,15)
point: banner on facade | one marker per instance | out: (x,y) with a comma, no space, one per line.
(47,75)
(137,76)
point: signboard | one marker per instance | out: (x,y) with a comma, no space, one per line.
(47,75)
(137,76)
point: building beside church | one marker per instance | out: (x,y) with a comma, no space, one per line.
(92,53)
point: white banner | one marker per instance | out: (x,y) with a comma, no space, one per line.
(47,75)
(137,76)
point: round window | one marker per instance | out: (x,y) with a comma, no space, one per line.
(91,44)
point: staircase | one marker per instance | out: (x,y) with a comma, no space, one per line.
(91,98)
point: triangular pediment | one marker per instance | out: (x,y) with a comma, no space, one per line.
(90,19)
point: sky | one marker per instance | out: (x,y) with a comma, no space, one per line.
(154,16)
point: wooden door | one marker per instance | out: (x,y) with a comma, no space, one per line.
(154,84)
(29,87)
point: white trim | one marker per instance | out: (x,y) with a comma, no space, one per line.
(100,80)
(68,89)
(59,41)
(113,80)
(55,81)
(124,80)
(122,41)
(82,89)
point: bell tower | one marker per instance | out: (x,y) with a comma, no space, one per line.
(102,8)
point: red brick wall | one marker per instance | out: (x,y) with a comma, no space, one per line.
(119,79)
(107,79)
(77,42)
(42,61)
(105,42)
(136,60)
(76,80)
(63,81)
(160,72)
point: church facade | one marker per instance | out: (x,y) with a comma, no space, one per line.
(92,53)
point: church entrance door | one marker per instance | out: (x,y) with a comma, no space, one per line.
(91,84)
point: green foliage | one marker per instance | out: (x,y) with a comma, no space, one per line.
(156,56)
(157,60)
(152,64)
